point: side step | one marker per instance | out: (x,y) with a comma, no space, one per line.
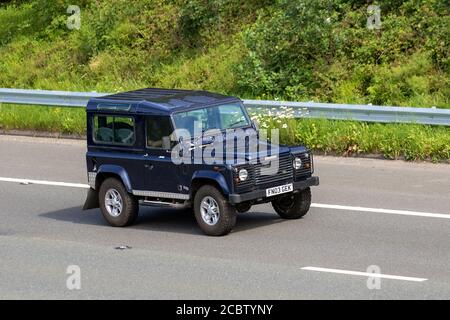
(158,203)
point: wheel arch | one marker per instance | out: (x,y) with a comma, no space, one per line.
(216,179)
(113,171)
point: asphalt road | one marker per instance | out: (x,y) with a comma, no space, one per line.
(43,231)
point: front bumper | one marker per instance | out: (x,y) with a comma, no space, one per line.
(260,195)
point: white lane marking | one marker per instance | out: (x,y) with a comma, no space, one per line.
(364,274)
(315,205)
(389,211)
(44,182)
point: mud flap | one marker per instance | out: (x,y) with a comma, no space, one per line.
(91,200)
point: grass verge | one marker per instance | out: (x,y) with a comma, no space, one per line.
(346,138)
(52,119)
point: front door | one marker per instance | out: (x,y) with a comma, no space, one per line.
(161,174)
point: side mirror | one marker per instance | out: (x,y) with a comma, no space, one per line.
(255,125)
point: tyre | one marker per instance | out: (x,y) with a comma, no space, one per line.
(243,207)
(214,214)
(118,207)
(293,206)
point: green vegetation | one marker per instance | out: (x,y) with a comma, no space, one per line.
(286,49)
(297,50)
(346,138)
(393,141)
(50,119)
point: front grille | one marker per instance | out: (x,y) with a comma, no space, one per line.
(263,175)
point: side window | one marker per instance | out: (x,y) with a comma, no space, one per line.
(114,130)
(159,129)
(192,120)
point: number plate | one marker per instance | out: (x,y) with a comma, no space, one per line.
(279,190)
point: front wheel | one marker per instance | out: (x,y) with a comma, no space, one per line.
(214,214)
(243,207)
(293,206)
(118,207)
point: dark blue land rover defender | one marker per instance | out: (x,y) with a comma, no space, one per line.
(183,148)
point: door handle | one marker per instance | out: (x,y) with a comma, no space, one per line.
(149,166)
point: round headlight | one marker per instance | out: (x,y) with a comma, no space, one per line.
(297,163)
(243,174)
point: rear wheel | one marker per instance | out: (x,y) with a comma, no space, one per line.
(118,207)
(214,214)
(293,206)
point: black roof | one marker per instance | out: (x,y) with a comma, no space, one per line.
(160,100)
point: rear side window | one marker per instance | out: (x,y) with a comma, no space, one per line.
(114,130)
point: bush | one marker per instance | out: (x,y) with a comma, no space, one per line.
(321,50)
(272,49)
